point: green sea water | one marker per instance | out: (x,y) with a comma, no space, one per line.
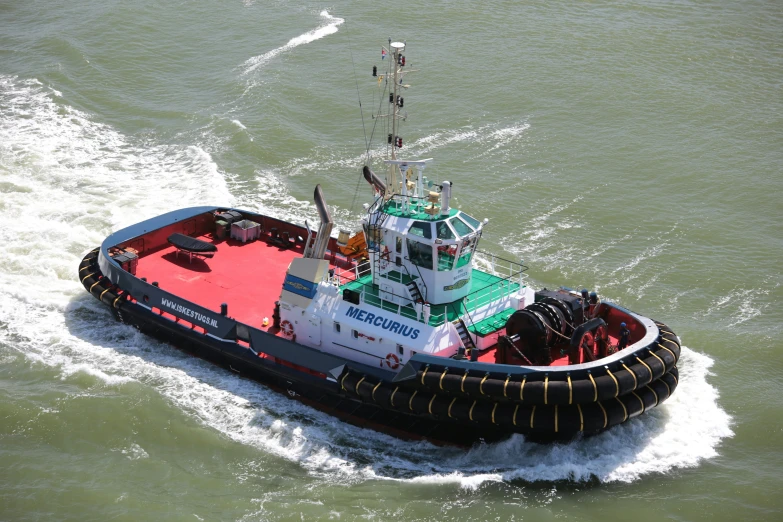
(632,148)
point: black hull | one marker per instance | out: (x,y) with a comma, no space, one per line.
(319,393)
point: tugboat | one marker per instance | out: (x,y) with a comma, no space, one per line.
(404,327)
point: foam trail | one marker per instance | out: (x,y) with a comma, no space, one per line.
(488,137)
(75,181)
(325,29)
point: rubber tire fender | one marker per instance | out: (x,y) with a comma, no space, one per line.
(534,391)
(568,419)
(493,387)
(670,341)
(382,394)
(504,413)
(615,411)
(522,416)
(558,393)
(109,298)
(365,390)
(656,365)
(542,419)
(583,391)
(89,281)
(420,403)
(665,386)
(348,382)
(451,382)
(440,406)
(672,378)
(460,409)
(593,416)
(98,289)
(666,356)
(642,373)
(482,412)
(661,389)
(634,405)
(607,388)
(432,379)
(626,382)
(472,385)
(399,399)
(648,398)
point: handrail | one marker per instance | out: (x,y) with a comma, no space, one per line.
(467,313)
(503,284)
(397,200)
(420,277)
(503,280)
(407,272)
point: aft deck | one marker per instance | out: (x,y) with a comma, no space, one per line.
(248,277)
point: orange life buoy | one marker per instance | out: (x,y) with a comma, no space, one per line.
(287,329)
(392,361)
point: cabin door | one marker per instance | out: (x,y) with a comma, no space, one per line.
(314,330)
(387,294)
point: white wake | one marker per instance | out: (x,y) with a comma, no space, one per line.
(328,26)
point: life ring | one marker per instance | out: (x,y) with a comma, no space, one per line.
(287,329)
(392,361)
(384,258)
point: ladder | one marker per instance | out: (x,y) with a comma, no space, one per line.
(462,330)
(413,289)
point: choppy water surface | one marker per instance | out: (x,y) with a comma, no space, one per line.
(633,149)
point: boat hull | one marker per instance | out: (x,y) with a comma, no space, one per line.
(413,408)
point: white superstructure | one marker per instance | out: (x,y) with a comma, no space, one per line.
(418,290)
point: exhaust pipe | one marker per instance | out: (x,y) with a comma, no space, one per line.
(325,228)
(374,180)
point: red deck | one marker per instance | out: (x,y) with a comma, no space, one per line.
(248,277)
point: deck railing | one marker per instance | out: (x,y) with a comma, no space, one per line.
(509,272)
(510,280)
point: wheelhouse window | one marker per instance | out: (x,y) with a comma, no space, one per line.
(420,254)
(460,226)
(466,253)
(470,220)
(443,230)
(446,255)
(421,229)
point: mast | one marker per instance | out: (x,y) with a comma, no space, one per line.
(396,49)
